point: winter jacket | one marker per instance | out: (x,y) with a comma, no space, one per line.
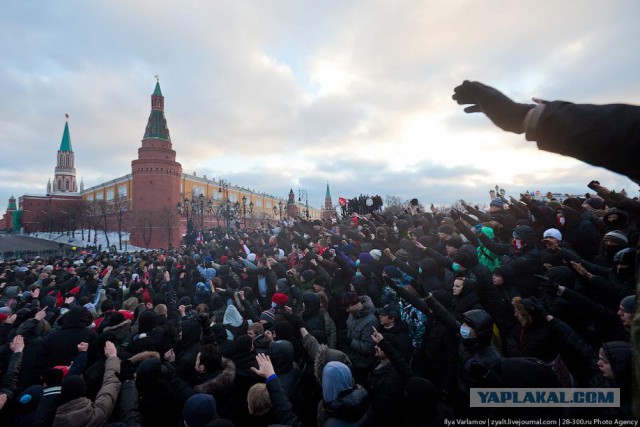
(281,406)
(386,391)
(601,135)
(84,412)
(61,345)
(359,329)
(220,385)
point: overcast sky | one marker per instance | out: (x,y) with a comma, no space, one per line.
(274,95)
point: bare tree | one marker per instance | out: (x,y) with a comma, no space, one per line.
(393,204)
(103,212)
(119,209)
(144,222)
(167,219)
(78,214)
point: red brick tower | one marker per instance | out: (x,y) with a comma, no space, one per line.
(329,210)
(156,182)
(292,209)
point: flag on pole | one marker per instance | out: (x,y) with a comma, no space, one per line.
(342,201)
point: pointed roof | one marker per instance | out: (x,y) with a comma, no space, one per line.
(65,145)
(157,123)
(328,195)
(157,91)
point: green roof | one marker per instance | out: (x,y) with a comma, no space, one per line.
(328,195)
(157,91)
(157,126)
(65,145)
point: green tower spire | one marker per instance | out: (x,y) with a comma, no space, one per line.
(157,91)
(65,145)
(328,195)
(157,124)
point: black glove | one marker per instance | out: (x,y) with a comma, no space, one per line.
(539,307)
(475,369)
(500,109)
(547,284)
(127,370)
(297,321)
(454,215)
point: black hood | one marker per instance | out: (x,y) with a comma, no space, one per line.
(481,322)
(282,355)
(191,331)
(619,356)
(77,317)
(311,304)
(563,276)
(526,234)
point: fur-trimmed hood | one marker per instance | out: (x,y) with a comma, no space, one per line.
(326,355)
(223,382)
(144,355)
(125,325)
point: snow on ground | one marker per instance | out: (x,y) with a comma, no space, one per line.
(100,241)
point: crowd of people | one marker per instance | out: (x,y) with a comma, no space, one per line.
(376,320)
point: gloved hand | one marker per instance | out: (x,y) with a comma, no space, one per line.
(501,110)
(539,307)
(547,284)
(475,369)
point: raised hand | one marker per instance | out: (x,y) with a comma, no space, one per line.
(500,109)
(17,345)
(265,367)
(110,350)
(376,336)
(41,314)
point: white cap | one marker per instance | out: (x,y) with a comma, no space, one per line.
(552,232)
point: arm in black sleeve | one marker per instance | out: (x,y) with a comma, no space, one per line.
(405,267)
(398,361)
(79,364)
(411,299)
(606,318)
(482,216)
(250,312)
(128,410)
(466,232)
(574,349)
(439,258)
(445,317)
(10,378)
(601,135)
(495,247)
(281,405)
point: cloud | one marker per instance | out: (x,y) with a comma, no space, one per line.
(294,94)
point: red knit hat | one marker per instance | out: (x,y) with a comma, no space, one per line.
(280,299)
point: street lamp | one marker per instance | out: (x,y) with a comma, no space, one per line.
(301,194)
(224,191)
(280,204)
(244,210)
(190,208)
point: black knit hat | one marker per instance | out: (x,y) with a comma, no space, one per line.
(73,387)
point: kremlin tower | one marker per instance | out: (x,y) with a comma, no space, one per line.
(156,179)
(64,180)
